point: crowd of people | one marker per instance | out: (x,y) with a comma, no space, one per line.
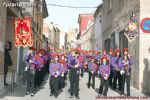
(112,69)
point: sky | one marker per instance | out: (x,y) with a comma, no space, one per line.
(66,18)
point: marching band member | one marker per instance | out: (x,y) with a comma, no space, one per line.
(92,68)
(110,57)
(74,75)
(104,54)
(64,70)
(54,70)
(30,71)
(81,63)
(116,70)
(126,63)
(39,62)
(104,72)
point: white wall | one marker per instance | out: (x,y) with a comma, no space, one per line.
(144,60)
(97,32)
(62,39)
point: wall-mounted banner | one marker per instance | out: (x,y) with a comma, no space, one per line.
(131,32)
(23,32)
(145,25)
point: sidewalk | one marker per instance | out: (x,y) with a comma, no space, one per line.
(5,89)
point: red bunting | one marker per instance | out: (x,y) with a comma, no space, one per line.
(23,32)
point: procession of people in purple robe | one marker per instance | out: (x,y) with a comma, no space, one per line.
(111,67)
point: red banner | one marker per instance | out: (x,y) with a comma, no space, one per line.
(23,32)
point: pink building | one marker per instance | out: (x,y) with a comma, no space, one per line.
(83,21)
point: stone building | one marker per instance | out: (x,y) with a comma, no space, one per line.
(52,32)
(71,38)
(62,41)
(9,11)
(7,32)
(115,18)
(98,28)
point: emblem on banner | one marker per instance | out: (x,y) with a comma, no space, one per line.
(23,32)
(131,32)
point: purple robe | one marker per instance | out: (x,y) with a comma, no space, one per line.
(92,67)
(38,61)
(81,60)
(55,69)
(27,59)
(116,62)
(110,57)
(130,63)
(72,62)
(104,69)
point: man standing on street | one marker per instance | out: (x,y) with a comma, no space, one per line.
(7,61)
(74,75)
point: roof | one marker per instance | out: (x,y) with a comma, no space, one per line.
(83,14)
(98,9)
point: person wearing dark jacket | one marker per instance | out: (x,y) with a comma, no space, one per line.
(7,61)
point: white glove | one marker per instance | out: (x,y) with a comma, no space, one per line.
(122,72)
(30,61)
(55,76)
(106,76)
(57,72)
(98,72)
(62,75)
(76,66)
(92,72)
(26,68)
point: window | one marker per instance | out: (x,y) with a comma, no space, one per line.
(123,41)
(107,44)
(112,41)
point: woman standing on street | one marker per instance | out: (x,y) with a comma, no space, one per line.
(74,75)
(126,63)
(30,71)
(104,72)
(92,68)
(54,70)
(116,70)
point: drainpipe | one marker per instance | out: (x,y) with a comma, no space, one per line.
(18,60)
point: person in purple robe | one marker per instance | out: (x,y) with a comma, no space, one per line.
(63,71)
(39,63)
(110,57)
(92,68)
(74,75)
(116,70)
(81,63)
(55,72)
(104,54)
(30,70)
(126,62)
(104,72)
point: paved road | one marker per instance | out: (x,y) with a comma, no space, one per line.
(85,93)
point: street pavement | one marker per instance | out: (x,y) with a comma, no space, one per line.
(3,89)
(84,93)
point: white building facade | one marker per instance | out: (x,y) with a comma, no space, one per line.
(98,28)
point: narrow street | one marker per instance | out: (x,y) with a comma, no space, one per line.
(85,93)
(109,38)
